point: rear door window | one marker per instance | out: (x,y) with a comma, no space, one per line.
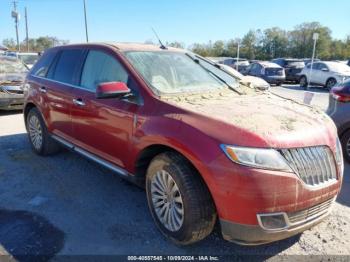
(67,66)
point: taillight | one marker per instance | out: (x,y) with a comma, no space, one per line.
(341,93)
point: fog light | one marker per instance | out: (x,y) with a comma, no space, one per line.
(272,221)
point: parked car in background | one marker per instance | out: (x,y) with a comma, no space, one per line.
(252,81)
(324,73)
(12,75)
(270,72)
(339,111)
(241,63)
(217,59)
(29,59)
(292,68)
(309,60)
(348,62)
(203,146)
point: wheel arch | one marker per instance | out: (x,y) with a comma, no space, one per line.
(29,106)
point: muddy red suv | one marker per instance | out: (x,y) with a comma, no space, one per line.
(203,146)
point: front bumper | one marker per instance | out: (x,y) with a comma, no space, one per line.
(242,193)
(255,235)
(11,101)
(275,79)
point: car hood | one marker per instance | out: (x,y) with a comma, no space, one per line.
(12,77)
(259,118)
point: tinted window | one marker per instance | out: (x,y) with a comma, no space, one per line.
(322,66)
(99,68)
(67,66)
(255,69)
(42,66)
(315,66)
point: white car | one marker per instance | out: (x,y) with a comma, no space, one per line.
(252,81)
(326,74)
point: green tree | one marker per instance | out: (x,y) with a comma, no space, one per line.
(301,42)
(10,43)
(275,43)
(249,45)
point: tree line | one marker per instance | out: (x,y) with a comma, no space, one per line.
(256,44)
(276,42)
(34,44)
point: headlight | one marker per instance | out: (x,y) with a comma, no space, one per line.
(339,156)
(257,157)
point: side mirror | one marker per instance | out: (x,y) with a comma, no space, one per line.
(112,90)
(324,70)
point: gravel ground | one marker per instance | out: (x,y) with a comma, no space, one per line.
(67,205)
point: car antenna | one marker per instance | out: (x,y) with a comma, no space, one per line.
(160,42)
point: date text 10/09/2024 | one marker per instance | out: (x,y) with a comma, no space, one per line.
(173,258)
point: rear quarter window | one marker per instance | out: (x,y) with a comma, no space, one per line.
(42,66)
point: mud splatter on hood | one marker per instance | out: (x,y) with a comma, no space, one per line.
(262,113)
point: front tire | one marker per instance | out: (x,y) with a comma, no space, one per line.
(345,141)
(40,140)
(303,82)
(178,199)
(330,83)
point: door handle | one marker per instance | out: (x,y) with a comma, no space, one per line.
(43,89)
(78,102)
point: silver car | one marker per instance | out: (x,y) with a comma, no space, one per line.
(339,111)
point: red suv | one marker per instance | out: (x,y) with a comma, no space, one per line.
(204,146)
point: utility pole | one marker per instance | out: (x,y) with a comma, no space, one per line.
(15,15)
(314,37)
(86,27)
(27,37)
(238,45)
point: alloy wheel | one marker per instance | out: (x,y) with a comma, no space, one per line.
(167,201)
(35,132)
(331,83)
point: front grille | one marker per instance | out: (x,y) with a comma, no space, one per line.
(310,213)
(314,165)
(18,92)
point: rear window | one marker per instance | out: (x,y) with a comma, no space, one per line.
(270,71)
(42,66)
(67,66)
(295,63)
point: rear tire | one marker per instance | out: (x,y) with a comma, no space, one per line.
(303,82)
(345,141)
(40,140)
(178,199)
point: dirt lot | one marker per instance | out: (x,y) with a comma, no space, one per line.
(67,205)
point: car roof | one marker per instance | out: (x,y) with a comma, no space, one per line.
(9,58)
(125,46)
(288,59)
(28,53)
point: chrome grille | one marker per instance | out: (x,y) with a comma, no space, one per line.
(310,213)
(314,165)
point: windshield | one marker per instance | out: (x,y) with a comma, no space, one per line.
(173,72)
(28,59)
(11,66)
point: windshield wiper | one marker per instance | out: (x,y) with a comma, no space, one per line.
(197,61)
